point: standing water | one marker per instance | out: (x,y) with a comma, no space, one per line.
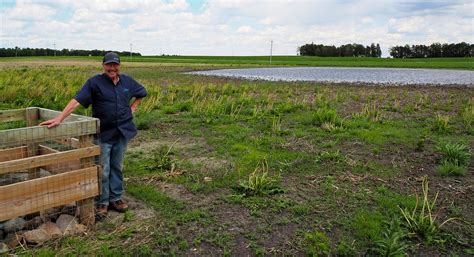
(351,75)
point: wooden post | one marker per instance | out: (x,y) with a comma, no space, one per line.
(86,206)
(32,115)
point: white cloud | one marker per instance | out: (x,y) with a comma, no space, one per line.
(245,29)
(225,27)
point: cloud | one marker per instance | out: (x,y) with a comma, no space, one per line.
(226,27)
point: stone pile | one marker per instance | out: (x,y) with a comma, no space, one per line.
(36,231)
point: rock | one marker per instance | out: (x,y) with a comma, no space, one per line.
(14,225)
(33,223)
(51,229)
(66,223)
(79,229)
(2,234)
(44,173)
(13,240)
(36,236)
(3,248)
(69,209)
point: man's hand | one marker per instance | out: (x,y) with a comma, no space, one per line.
(73,104)
(52,122)
(135,104)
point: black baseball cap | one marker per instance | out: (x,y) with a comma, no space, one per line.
(111,57)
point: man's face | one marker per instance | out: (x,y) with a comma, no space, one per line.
(111,70)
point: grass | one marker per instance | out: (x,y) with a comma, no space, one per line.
(422,221)
(339,160)
(455,159)
(437,63)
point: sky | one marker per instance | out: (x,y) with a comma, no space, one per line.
(230,27)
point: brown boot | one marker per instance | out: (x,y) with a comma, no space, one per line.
(101,210)
(119,206)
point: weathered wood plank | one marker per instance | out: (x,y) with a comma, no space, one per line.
(42,133)
(47,192)
(59,166)
(47,114)
(48,159)
(86,206)
(69,141)
(12,115)
(13,153)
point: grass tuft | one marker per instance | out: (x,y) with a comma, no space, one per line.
(259,182)
(421,221)
(441,123)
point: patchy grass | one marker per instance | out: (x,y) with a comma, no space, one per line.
(347,158)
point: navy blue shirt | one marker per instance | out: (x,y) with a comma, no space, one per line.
(111,104)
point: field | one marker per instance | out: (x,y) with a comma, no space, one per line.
(232,61)
(234,167)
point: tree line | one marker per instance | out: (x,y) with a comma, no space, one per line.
(12,52)
(348,50)
(434,50)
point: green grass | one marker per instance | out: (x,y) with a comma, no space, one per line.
(435,63)
(340,160)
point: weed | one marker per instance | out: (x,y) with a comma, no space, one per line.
(391,244)
(420,144)
(161,159)
(370,112)
(441,123)
(345,249)
(467,116)
(259,182)
(276,124)
(332,156)
(333,127)
(317,244)
(422,222)
(447,168)
(325,115)
(128,216)
(457,154)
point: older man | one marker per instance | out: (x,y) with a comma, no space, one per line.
(109,94)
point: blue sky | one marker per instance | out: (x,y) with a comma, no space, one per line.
(230,27)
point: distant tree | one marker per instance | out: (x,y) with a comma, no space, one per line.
(11,52)
(378,51)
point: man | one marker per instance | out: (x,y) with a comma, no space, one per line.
(110,94)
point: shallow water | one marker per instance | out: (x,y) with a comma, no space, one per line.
(351,75)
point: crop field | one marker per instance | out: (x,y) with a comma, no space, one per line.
(464,63)
(228,167)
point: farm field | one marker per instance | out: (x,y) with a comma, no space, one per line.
(465,63)
(233,167)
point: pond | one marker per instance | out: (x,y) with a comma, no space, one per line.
(392,76)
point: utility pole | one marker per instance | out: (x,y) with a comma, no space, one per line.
(16,51)
(130,51)
(271,51)
(54,49)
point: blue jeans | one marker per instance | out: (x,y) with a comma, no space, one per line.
(111,159)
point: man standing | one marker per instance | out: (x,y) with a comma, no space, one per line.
(109,94)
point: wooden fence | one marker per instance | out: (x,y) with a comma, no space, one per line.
(66,153)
